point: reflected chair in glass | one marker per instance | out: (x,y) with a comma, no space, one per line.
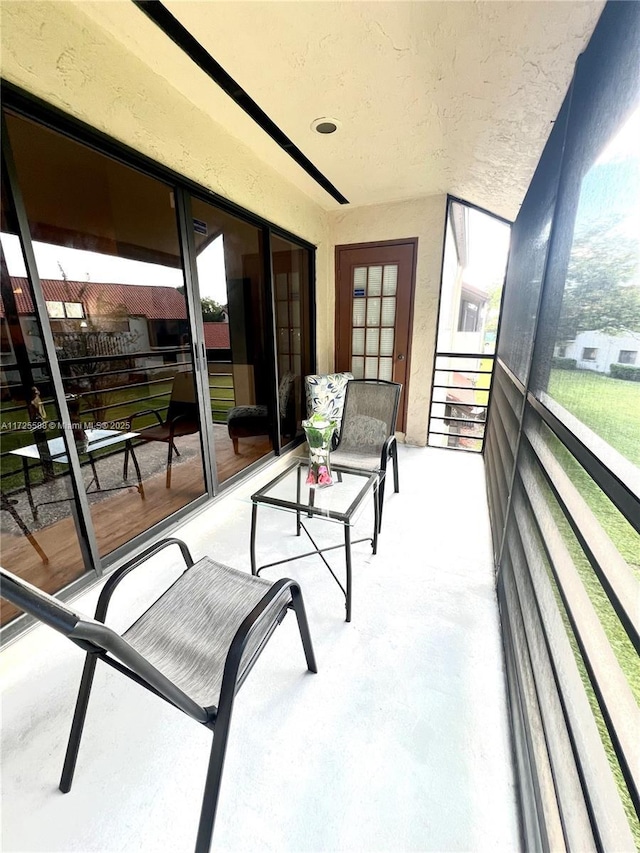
(367,434)
(193,647)
(249,421)
(325,394)
(182,418)
(8,505)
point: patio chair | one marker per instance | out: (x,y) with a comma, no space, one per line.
(182,419)
(247,421)
(193,647)
(367,438)
(325,396)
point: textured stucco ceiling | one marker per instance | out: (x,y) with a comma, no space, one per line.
(432,97)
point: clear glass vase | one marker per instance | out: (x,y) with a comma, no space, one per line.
(319,432)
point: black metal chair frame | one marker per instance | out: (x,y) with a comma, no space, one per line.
(97,640)
(390,447)
(8,505)
(172,427)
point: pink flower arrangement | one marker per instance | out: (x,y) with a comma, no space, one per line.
(311,477)
(324,477)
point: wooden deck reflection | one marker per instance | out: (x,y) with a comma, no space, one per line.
(116,518)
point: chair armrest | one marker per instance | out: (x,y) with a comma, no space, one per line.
(123,571)
(230,684)
(146,412)
(386,448)
(176,420)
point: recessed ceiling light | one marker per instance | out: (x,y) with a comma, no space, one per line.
(325,125)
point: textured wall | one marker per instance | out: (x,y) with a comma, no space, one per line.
(56,52)
(423,218)
(59,54)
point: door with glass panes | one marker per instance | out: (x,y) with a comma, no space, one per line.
(374,296)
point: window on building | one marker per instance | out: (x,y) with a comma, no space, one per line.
(589,353)
(74,310)
(469,316)
(62,310)
(627,356)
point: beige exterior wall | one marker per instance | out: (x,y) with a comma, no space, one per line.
(61,55)
(423,218)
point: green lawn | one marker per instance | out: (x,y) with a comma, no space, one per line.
(610,407)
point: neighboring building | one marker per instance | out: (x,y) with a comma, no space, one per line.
(125,319)
(461,329)
(597,351)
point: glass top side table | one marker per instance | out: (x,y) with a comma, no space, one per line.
(340,503)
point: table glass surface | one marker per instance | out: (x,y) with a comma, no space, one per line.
(96,440)
(341,502)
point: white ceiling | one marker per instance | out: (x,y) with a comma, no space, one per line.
(432,97)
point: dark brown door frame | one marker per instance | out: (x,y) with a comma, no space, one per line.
(406,241)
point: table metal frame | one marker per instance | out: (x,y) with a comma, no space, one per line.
(309,510)
(107,438)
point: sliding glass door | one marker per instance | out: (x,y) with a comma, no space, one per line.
(109,261)
(230,261)
(153,347)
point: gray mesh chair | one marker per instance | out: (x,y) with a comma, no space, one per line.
(193,647)
(367,434)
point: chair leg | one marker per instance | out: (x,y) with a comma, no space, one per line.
(380,502)
(8,506)
(298,606)
(221,732)
(396,475)
(235,446)
(169,460)
(214,778)
(78,723)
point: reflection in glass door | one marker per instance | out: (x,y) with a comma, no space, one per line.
(290,265)
(230,267)
(39,538)
(106,244)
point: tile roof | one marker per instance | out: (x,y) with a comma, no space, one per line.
(152,301)
(216,336)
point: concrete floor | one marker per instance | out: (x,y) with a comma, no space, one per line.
(399,743)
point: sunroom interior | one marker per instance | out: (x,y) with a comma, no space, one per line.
(190,191)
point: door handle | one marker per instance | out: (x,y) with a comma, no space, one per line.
(401,357)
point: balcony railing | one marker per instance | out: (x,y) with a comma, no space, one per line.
(114,391)
(460,400)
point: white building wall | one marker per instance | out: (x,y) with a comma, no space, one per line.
(607,348)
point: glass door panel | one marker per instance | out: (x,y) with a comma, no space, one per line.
(374,319)
(39,536)
(105,239)
(230,266)
(290,264)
